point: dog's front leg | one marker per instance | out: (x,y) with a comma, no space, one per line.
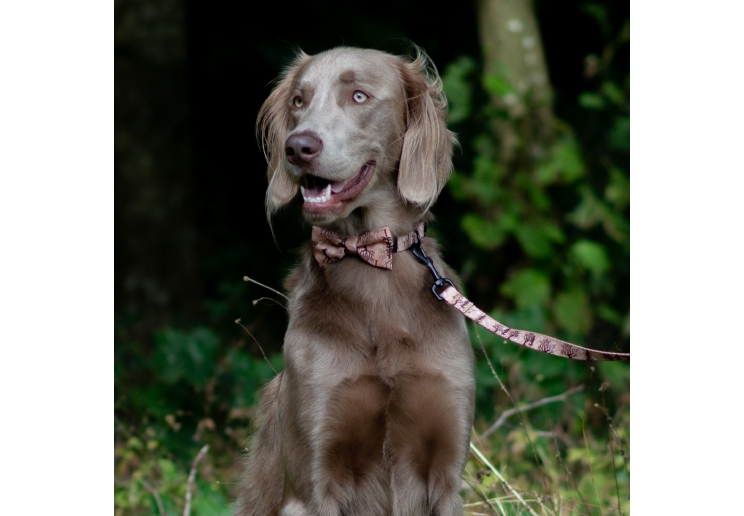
(427,446)
(348,469)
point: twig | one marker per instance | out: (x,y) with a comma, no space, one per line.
(550,399)
(503,480)
(246,278)
(154,493)
(612,451)
(255,301)
(570,478)
(237,321)
(192,476)
(480,493)
(586,445)
(503,388)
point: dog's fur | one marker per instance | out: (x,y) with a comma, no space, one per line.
(372,413)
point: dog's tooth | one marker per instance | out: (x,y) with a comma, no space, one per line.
(302,190)
(327,194)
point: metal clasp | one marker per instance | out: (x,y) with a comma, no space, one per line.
(439,281)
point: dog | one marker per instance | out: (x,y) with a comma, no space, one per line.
(373,410)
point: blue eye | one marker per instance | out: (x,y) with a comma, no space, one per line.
(359,97)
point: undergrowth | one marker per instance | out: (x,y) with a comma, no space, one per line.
(541,444)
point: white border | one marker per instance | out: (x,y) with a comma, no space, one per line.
(57,250)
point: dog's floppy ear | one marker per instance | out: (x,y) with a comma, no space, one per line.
(426,158)
(272,128)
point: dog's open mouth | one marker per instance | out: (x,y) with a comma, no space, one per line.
(321,195)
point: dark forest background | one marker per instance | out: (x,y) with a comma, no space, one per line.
(535,219)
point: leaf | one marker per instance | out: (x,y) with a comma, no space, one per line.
(592,211)
(618,189)
(537,238)
(527,287)
(572,311)
(617,373)
(612,92)
(619,136)
(485,182)
(185,354)
(596,11)
(591,256)
(497,85)
(457,88)
(609,314)
(483,233)
(564,163)
(457,186)
(589,100)
(533,241)
(567,156)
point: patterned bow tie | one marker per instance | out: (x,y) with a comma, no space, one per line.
(374,247)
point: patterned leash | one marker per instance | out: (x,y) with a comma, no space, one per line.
(532,340)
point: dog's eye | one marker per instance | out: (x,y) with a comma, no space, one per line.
(297,102)
(359,97)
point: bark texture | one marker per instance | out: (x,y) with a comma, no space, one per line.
(513,55)
(156,258)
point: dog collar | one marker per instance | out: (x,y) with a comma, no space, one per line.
(375,247)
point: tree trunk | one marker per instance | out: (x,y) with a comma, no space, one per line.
(518,76)
(156,269)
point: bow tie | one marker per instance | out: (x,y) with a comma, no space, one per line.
(374,247)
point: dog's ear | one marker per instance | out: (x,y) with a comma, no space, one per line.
(426,158)
(272,128)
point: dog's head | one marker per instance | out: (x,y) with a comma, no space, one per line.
(353,128)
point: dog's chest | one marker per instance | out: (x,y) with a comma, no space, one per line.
(377,321)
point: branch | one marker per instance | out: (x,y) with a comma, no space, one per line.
(551,399)
(237,321)
(154,493)
(256,301)
(246,278)
(192,476)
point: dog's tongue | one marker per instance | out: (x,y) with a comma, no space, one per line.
(315,190)
(337,186)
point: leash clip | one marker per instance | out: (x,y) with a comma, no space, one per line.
(439,281)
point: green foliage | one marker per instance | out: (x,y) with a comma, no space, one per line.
(200,388)
(527,287)
(185,354)
(458,90)
(555,215)
(561,212)
(147,471)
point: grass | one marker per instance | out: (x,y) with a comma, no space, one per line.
(533,452)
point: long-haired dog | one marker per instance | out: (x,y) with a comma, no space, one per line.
(372,412)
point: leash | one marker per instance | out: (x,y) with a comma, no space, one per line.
(377,249)
(532,340)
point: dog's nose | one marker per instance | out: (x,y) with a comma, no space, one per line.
(302,148)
